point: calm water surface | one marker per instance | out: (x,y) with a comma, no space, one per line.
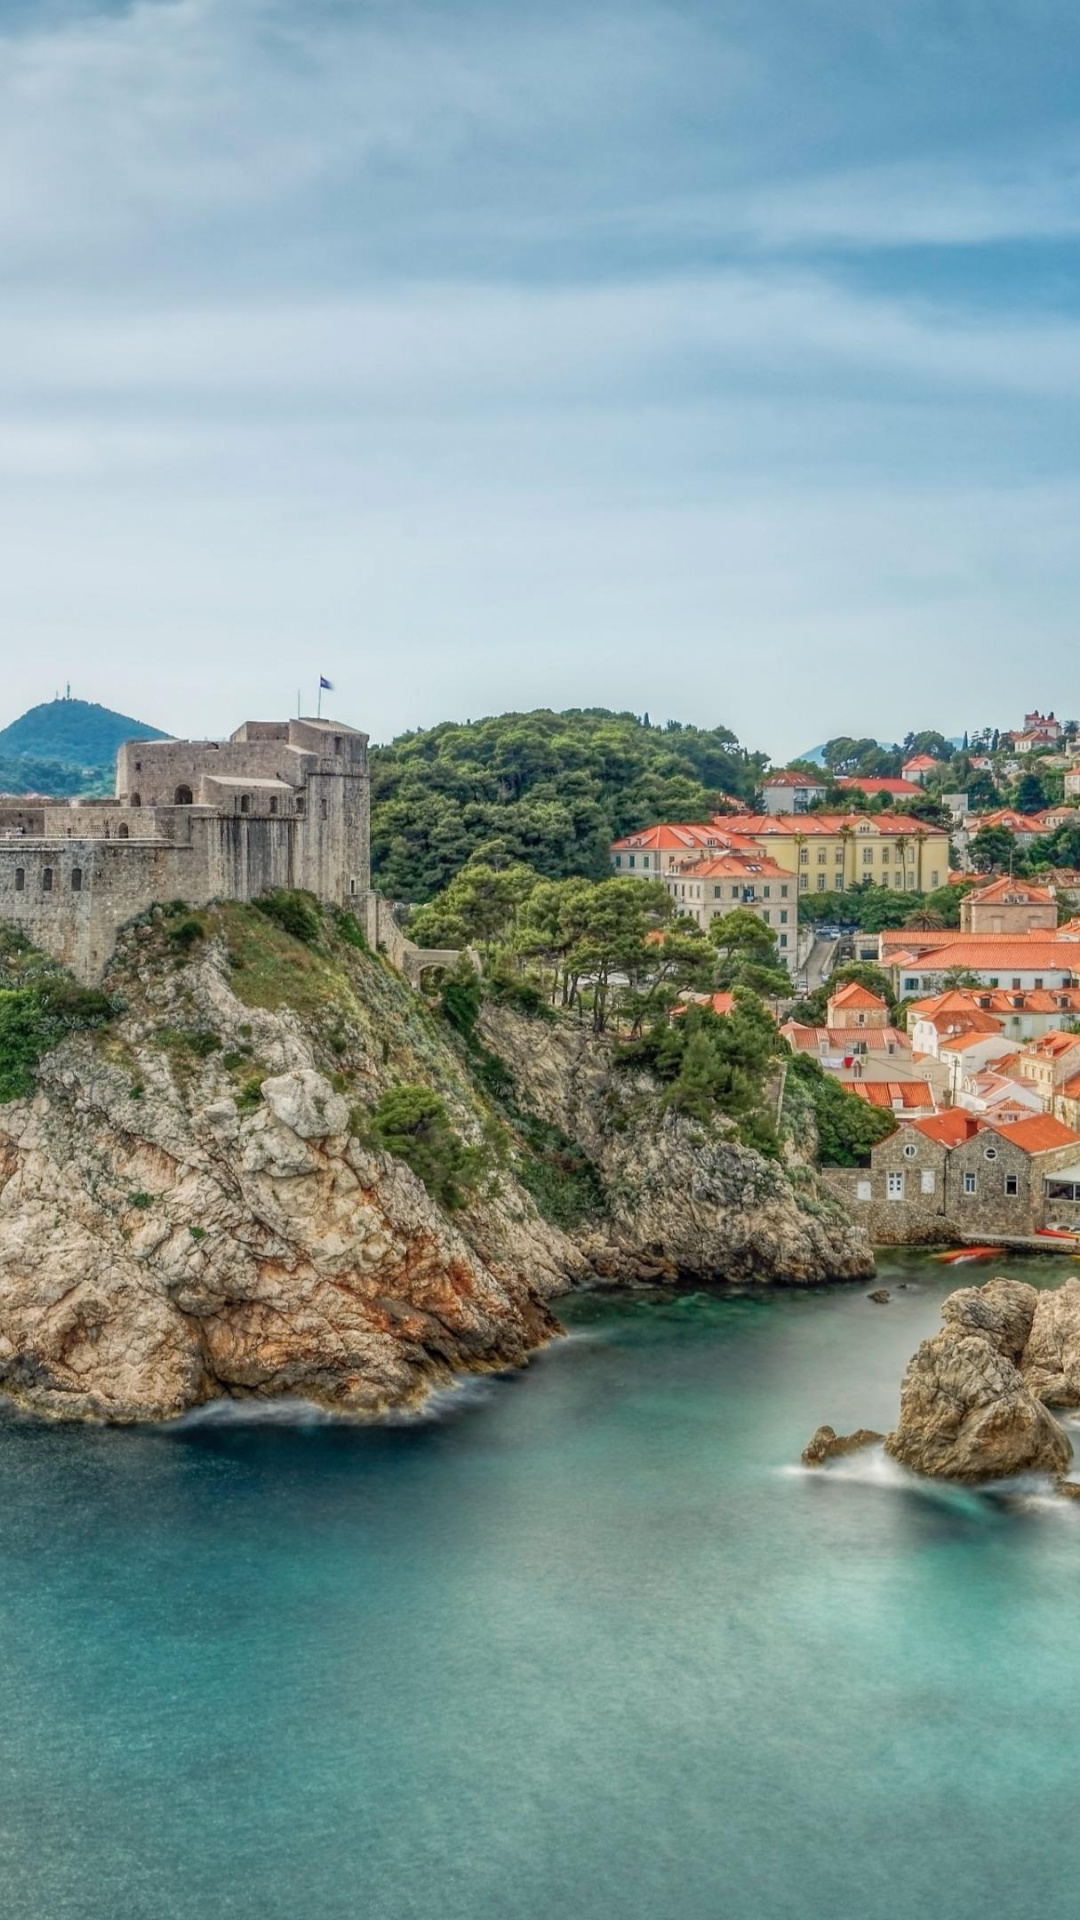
(585,1645)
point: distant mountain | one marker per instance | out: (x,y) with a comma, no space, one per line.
(66,747)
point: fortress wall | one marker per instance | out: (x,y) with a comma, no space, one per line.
(243,855)
(97,886)
(155,768)
(333,858)
(19,820)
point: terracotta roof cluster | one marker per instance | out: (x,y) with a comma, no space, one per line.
(1035,1133)
(844,1039)
(788,778)
(669,836)
(1022,953)
(734,864)
(922,763)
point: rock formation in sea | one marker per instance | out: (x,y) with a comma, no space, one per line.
(972,1400)
(194,1201)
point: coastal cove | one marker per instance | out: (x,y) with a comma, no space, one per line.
(586,1638)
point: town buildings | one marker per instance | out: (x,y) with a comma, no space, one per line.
(789,792)
(1008,906)
(957,1176)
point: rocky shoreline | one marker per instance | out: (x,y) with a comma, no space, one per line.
(192,1205)
(975,1400)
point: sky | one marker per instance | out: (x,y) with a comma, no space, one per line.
(718,360)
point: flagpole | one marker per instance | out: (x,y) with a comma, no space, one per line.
(318,709)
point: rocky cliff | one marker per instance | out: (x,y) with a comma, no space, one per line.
(193,1203)
(679,1201)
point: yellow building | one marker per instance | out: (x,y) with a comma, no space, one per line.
(834,851)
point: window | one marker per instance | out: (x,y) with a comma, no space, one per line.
(838,856)
(971,1184)
(766,893)
(864,1190)
(926,1180)
(299,804)
(123,831)
(76,879)
(273,803)
(245,803)
(182,797)
(894,1186)
(1012,1186)
(783,939)
(822,882)
(20,879)
(804,882)
(911,985)
(135,800)
(868,856)
(644,859)
(46,879)
(990,1154)
(783,914)
(735,892)
(324,813)
(822,856)
(884,856)
(804,856)
(933,880)
(784,894)
(337,743)
(910,1150)
(717,893)
(632,861)
(618,859)
(138,766)
(765,915)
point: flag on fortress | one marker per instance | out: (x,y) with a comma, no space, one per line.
(326,685)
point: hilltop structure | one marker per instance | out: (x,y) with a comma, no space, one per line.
(281,803)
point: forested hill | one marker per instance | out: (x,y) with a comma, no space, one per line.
(550,789)
(66,747)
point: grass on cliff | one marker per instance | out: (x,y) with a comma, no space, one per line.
(40,1004)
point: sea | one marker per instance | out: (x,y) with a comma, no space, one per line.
(583,1641)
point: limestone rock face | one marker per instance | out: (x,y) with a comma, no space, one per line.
(1051,1358)
(682,1204)
(966,1409)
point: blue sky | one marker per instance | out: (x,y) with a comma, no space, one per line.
(716,360)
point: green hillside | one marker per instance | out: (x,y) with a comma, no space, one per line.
(66,747)
(549,789)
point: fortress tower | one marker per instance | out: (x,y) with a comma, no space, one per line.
(281,803)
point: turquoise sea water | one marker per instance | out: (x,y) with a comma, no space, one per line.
(584,1644)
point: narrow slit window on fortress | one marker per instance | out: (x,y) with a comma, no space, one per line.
(76,879)
(136,800)
(20,879)
(245,803)
(299,803)
(337,743)
(122,831)
(273,803)
(46,879)
(324,809)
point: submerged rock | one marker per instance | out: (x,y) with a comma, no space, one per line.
(967,1411)
(827,1444)
(880,1296)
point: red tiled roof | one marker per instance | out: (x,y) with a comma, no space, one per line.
(902,789)
(950,1127)
(1025,954)
(787,778)
(885,1093)
(923,761)
(736,862)
(1039,1134)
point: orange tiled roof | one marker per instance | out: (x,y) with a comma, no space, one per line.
(962,1042)
(1071,1088)
(854,994)
(1039,1134)
(815,824)
(786,778)
(1021,892)
(736,862)
(923,762)
(1024,955)
(902,789)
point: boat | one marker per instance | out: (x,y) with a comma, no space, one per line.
(957,1254)
(1057,1233)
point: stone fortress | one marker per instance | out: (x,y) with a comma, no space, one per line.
(281,803)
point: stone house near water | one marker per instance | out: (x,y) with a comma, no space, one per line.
(956,1176)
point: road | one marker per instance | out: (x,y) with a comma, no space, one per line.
(819,963)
